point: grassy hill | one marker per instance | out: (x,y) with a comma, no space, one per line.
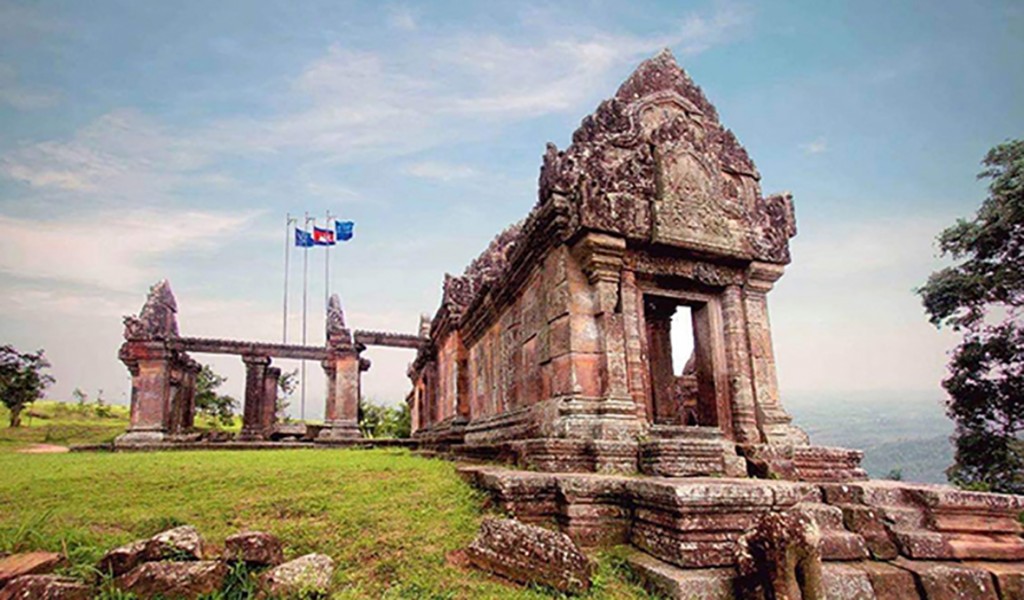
(388,518)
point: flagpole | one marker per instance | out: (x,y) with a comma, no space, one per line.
(305,288)
(287,251)
(327,265)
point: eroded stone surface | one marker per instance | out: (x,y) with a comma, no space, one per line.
(45,587)
(179,543)
(950,581)
(682,584)
(28,563)
(310,574)
(122,559)
(254,547)
(174,579)
(530,554)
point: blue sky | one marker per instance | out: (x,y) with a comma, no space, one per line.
(143,140)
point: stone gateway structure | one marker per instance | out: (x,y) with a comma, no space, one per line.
(552,352)
(557,338)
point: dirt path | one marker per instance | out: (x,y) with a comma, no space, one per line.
(44,449)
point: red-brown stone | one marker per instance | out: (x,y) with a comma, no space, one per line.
(28,563)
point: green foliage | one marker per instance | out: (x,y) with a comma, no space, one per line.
(81,398)
(22,380)
(986,285)
(377,421)
(219,408)
(286,385)
(894,474)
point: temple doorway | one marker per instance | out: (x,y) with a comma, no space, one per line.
(687,360)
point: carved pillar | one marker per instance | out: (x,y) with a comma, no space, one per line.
(268,412)
(150,368)
(737,358)
(341,411)
(658,315)
(255,373)
(775,422)
(192,370)
(600,257)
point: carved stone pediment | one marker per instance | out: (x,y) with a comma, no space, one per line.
(157,320)
(654,164)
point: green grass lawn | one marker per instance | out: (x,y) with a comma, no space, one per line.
(388,518)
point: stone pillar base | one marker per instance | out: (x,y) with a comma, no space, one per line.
(339,430)
(251,435)
(140,437)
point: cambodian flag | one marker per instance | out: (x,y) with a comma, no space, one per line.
(343,230)
(303,239)
(323,237)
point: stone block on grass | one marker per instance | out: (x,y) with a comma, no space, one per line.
(45,587)
(254,548)
(308,575)
(174,579)
(530,554)
(27,563)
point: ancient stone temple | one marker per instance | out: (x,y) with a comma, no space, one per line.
(558,336)
(164,376)
(552,351)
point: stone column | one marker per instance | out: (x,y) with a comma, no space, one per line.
(255,376)
(268,412)
(737,358)
(775,423)
(192,370)
(341,410)
(150,368)
(600,257)
(659,343)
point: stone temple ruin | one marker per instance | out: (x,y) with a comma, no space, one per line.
(164,376)
(552,352)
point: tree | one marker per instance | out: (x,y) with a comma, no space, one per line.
(80,397)
(219,407)
(982,296)
(287,384)
(22,380)
(377,421)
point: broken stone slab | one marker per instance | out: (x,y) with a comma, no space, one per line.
(122,559)
(254,548)
(179,543)
(950,581)
(173,579)
(1009,577)
(530,554)
(28,563)
(45,587)
(308,575)
(672,582)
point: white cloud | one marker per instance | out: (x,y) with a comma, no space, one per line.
(817,146)
(440,171)
(401,18)
(112,251)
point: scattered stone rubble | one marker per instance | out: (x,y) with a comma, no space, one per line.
(530,554)
(171,564)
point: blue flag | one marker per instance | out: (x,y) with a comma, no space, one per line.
(343,230)
(303,239)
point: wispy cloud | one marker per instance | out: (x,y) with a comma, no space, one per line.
(440,171)
(816,146)
(401,18)
(112,251)
(352,105)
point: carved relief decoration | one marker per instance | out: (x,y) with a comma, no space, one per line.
(654,164)
(156,320)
